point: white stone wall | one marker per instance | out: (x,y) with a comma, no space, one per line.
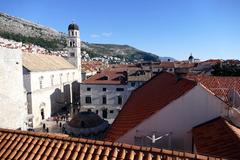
(12,99)
(97,93)
(56,91)
(179,117)
(67,76)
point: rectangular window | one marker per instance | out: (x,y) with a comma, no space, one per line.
(104,100)
(120,100)
(88,100)
(104,89)
(88,89)
(120,89)
(111,111)
(133,84)
(72,54)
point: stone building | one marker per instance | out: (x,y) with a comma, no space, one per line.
(12,100)
(104,93)
(163,112)
(51,82)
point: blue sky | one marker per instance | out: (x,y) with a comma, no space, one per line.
(207,28)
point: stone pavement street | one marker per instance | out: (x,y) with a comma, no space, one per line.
(52,126)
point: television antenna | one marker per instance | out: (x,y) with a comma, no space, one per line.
(154,139)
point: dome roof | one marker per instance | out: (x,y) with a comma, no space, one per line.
(85,120)
(73,26)
(191,57)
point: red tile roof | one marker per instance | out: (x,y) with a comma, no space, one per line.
(22,145)
(218,137)
(212,61)
(220,86)
(163,65)
(93,66)
(105,77)
(147,100)
(182,64)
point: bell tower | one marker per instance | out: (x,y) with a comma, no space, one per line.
(74,45)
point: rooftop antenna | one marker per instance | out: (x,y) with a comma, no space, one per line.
(153,138)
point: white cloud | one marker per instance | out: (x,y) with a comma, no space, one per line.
(106,34)
(95,36)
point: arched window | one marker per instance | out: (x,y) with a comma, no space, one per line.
(70,43)
(72,33)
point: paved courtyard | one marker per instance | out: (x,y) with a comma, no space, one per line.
(53,126)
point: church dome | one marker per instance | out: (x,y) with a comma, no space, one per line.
(73,26)
(190,57)
(85,120)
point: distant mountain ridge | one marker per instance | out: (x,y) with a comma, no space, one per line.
(26,31)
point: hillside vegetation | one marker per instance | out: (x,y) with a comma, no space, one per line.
(25,31)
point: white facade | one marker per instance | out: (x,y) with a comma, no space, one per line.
(12,99)
(48,92)
(177,119)
(35,86)
(112,93)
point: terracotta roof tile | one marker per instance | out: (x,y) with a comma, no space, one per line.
(91,66)
(220,86)
(163,65)
(147,100)
(218,137)
(21,145)
(212,61)
(105,77)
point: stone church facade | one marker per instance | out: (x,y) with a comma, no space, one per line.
(50,83)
